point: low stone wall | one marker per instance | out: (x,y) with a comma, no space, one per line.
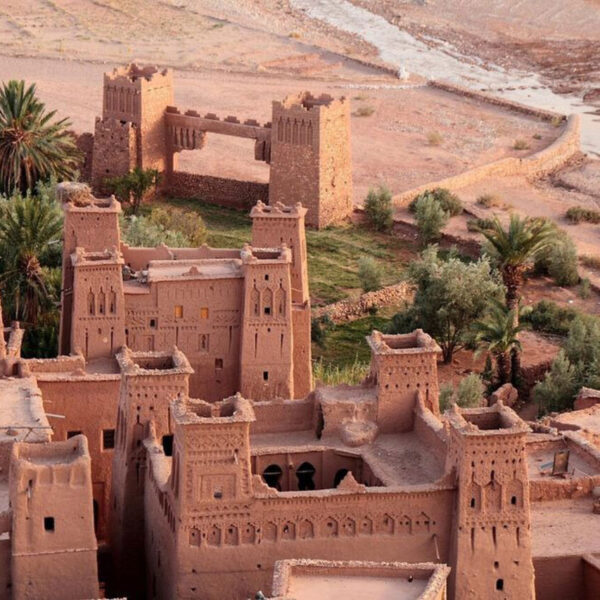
(231,193)
(536,165)
(350,310)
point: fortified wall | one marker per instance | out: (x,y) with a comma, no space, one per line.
(307,145)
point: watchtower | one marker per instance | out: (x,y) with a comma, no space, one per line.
(53,542)
(311,161)
(92,225)
(266,359)
(273,226)
(402,366)
(492,532)
(132,131)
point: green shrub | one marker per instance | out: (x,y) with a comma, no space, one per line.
(369,274)
(142,232)
(558,388)
(449,202)
(330,374)
(319,327)
(468,393)
(562,265)
(430,218)
(489,201)
(577,214)
(520,144)
(548,317)
(187,222)
(378,208)
(446,396)
(591,262)
(477,224)
(585,289)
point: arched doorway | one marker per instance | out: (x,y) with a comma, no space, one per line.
(305,474)
(272,476)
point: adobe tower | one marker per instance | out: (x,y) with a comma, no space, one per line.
(310,157)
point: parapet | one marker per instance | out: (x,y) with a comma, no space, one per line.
(251,255)
(133,73)
(416,342)
(151,364)
(277,210)
(235,409)
(78,197)
(489,421)
(305,101)
(107,257)
(302,579)
(57,454)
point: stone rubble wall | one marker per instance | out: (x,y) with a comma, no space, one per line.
(231,193)
(350,310)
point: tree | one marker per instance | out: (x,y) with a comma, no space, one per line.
(498,332)
(369,274)
(33,146)
(29,226)
(450,296)
(378,208)
(468,394)
(513,250)
(134,186)
(431,218)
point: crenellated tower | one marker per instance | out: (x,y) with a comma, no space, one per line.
(311,162)
(273,226)
(266,358)
(491,554)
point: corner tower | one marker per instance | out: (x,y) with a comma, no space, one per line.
(311,161)
(274,226)
(491,553)
(132,131)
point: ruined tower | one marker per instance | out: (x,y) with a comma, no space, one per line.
(273,226)
(311,161)
(402,366)
(150,381)
(92,225)
(491,554)
(132,131)
(53,542)
(266,360)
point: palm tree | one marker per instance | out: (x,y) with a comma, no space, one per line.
(28,226)
(33,147)
(513,250)
(498,332)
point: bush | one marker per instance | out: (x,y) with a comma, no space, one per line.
(434,138)
(378,208)
(446,396)
(577,214)
(585,289)
(478,224)
(187,222)
(448,201)
(431,218)
(591,262)
(319,327)
(558,388)
(520,144)
(549,317)
(364,111)
(369,274)
(489,201)
(329,374)
(468,394)
(562,265)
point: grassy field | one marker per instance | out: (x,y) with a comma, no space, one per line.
(333,253)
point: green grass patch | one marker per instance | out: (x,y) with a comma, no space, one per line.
(333,253)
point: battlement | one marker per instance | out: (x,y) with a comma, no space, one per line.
(202,268)
(110,257)
(57,455)
(251,255)
(133,73)
(235,409)
(173,110)
(151,364)
(408,343)
(277,210)
(305,101)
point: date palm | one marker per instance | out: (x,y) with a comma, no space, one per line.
(33,145)
(28,228)
(498,332)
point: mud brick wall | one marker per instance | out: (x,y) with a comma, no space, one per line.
(231,193)
(85,144)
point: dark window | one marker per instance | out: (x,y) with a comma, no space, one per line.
(499,584)
(472,502)
(267,310)
(513,500)
(153,323)
(266,375)
(71,434)
(49,523)
(305,474)
(266,278)
(108,439)
(167,443)
(339,476)
(218,495)
(272,475)
(218,363)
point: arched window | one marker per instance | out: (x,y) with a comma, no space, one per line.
(255,300)
(268,302)
(112,302)
(339,476)
(305,474)
(272,476)
(101,302)
(91,303)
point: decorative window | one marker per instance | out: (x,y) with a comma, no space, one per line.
(178,311)
(204,313)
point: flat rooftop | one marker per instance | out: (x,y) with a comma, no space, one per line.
(564,527)
(540,459)
(22,415)
(396,459)
(167,270)
(588,418)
